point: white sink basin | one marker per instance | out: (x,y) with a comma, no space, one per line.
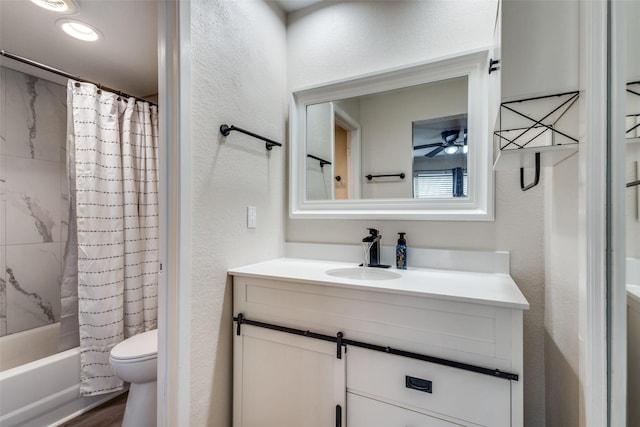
(359,273)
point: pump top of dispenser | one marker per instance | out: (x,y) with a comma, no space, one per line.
(401,239)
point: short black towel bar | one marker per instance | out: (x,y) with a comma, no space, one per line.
(322,161)
(226,130)
(399,175)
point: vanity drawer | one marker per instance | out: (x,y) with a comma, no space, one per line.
(467,396)
(365,412)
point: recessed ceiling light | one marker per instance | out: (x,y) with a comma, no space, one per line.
(61,6)
(79,30)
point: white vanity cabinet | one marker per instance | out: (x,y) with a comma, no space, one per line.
(406,356)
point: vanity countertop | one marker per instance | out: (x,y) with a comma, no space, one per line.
(480,288)
(633,294)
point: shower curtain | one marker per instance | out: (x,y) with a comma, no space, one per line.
(111,259)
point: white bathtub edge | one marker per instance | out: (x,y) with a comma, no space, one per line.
(45,392)
(56,409)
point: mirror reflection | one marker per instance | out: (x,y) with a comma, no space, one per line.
(440,157)
(632,202)
(403,143)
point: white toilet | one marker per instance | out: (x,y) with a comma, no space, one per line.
(134,360)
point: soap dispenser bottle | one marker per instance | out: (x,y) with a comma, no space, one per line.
(401,253)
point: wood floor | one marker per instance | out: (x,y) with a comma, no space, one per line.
(108,414)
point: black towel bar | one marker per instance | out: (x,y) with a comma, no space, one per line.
(399,175)
(226,130)
(322,161)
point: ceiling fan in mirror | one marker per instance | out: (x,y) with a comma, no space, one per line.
(452,142)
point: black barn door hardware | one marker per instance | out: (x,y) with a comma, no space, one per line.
(241,320)
(322,161)
(269,143)
(344,342)
(399,175)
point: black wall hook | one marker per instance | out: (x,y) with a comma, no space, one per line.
(492,65)
(536,178)
(226,130)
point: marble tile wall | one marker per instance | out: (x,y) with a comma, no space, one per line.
(33,200)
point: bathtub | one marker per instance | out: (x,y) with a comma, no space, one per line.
(44,392)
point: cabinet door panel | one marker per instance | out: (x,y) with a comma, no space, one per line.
(365,412)
(284,380)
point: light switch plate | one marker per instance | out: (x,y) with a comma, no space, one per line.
(251,217)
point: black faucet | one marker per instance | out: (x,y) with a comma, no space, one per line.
(374,248)
(374,238)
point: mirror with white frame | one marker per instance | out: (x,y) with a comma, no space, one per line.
(408,143)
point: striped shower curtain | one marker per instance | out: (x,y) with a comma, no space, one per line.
(112,153)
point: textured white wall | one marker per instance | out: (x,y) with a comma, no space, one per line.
(540,47)
(633,35)
(561,293)
(238,76)
(341,39)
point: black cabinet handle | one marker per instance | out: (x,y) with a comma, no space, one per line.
(418,384)
(338,416)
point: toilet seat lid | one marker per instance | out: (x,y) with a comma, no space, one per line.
(138,346)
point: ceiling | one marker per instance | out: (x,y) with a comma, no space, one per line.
(125,59)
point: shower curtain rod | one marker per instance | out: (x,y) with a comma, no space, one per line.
(65,74)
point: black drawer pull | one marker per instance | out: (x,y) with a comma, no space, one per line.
(418,384)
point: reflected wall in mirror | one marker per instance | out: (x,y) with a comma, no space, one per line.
(418,132)
(411,141)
